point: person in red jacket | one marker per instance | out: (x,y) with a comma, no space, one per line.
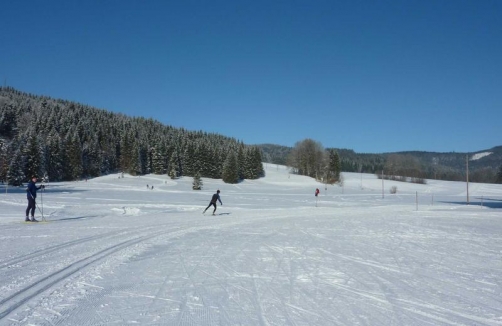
(316,192)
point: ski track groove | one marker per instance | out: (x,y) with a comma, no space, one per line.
(41,285)
(306,297)
(49,250)
(31,291)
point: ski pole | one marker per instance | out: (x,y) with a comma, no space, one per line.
(42,202)
(42,199)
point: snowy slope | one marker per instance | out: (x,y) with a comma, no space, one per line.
(115,252)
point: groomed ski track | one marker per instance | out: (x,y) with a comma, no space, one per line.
(115,253)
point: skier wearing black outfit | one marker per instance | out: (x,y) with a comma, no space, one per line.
(31,193)
(214,199)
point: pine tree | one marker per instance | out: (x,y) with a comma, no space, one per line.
(157,159)
(134,167)
(8,121)
(16,176)
(4,162)
(189,160)
(230,169)
(258,163)
(173,167)
(197,182)
(253,167)
(241,161)
(33,157)
(73,166)
(54,157)
(125,153)
(334,167)
(499,175)
(91,159)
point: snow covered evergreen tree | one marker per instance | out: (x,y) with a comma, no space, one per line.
(253,168)
(158,159)
(197,182)
(334,167)
(173,167)
(15,175)
(4,162)
(499,175)
(241,161)
(231,169)
(54,155)
(33,156)
(73,164)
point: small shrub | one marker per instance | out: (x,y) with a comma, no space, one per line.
(421,181)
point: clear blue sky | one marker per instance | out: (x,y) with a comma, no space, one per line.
(373,76)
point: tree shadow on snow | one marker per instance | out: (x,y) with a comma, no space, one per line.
(48,190)
(485,202)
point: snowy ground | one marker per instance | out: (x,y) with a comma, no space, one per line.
(117,253)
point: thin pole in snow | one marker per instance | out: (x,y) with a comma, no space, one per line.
(467,174)
(416,199)
(382,186)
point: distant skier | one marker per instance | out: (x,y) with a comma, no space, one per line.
(316,192)
(214,199)
(31,193)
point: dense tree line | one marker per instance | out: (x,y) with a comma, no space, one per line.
(499,175)
(64,140)
(415,165)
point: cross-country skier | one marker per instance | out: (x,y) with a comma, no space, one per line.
(32,195)
(214,199)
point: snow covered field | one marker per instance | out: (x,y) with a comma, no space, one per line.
(117,253)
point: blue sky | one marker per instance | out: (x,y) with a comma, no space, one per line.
(373,76)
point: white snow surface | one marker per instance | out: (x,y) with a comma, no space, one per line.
(116,253)
(478,156)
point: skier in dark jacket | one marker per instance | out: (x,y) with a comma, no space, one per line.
(214,199)
(31,193)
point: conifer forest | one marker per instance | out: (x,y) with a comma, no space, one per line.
(61,140)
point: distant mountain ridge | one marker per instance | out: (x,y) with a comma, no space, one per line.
(483,164)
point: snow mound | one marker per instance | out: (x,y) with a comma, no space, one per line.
(127,211)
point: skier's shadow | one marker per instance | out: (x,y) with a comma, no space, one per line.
(72,218)
(223,214)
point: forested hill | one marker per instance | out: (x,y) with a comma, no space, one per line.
(484,165)
(64,140)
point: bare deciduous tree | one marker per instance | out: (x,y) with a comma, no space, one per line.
(308,158)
